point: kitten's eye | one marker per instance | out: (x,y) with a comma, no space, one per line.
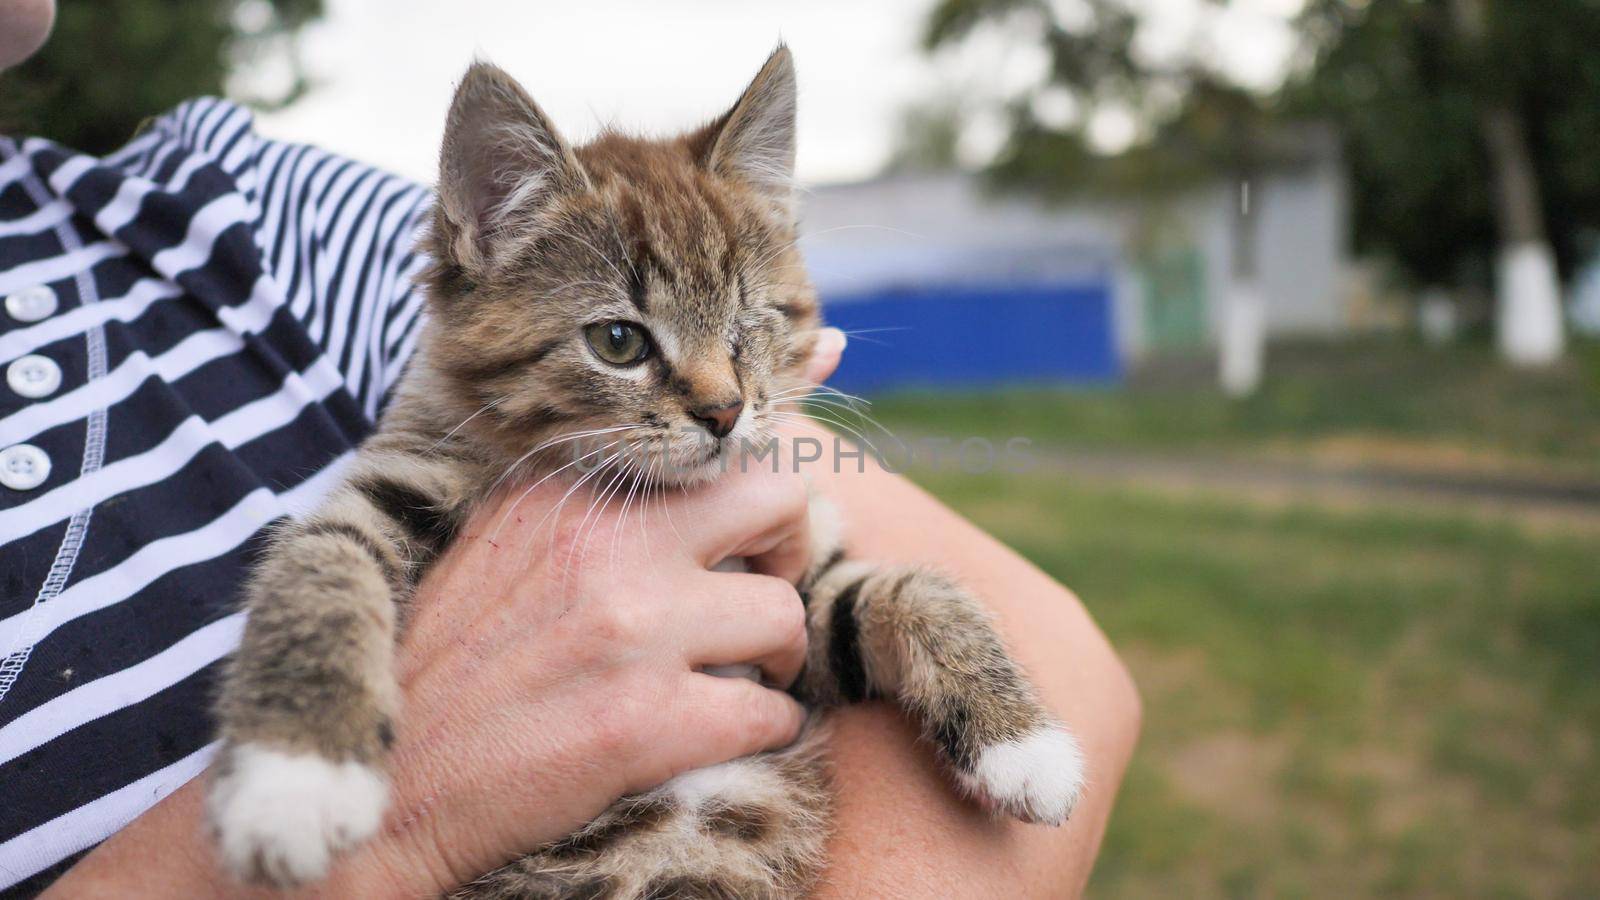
(618,343)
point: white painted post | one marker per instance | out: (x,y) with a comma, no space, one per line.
(1529,305)
(1243,337)
(1244,313)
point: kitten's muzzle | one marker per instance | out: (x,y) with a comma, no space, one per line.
(719,420)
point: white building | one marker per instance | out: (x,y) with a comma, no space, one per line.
(1166,265)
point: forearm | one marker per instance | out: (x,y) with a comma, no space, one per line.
(166,852)
(901,831)
(163,853)
(533,700)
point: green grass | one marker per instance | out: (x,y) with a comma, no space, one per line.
(1373,400)
(1338,704)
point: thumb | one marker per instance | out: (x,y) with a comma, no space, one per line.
(825,354)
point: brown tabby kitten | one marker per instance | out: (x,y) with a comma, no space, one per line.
(628,283)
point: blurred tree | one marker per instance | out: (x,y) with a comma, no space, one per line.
(1193,125)
(1469,129)
(111,64)
(1190,120)
(1468,126)
(930,137)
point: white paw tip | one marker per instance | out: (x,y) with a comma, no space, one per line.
(1036,778)
(736,782)
(281,817)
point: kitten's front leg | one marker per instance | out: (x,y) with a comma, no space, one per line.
(913,635)
(307,705)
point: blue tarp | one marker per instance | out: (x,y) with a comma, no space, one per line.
(975,336)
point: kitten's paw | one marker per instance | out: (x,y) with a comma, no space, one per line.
(1036,778)
(281,817)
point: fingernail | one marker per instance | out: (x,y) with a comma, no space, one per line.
(835,336)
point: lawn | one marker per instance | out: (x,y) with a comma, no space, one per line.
(1377,401)
(1340,702)
(1337,704)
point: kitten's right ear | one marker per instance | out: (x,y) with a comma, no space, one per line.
(501,161)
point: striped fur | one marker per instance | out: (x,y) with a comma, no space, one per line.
(762,840)
(692,239)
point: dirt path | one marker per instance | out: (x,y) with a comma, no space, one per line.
(1542,502)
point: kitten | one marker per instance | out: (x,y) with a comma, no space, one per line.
(624,282)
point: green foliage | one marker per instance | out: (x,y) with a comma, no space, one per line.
(1196,124)
(1405,89)
(1408,93)
(111,64)
(929,135)
(1090,54)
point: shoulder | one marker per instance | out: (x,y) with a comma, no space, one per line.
(205,129)
(224,134)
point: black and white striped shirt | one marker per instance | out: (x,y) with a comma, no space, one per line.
(197,331)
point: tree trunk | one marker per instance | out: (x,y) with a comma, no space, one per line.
(1518,206)
(1528,290)
(1243,339)
(1528,317)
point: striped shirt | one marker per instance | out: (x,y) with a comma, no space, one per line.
(197,331)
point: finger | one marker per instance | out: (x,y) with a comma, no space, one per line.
(748,512)
(733,717)
(785,555)
(825,355)
(752,619)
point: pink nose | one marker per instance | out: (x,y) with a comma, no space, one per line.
(719,420)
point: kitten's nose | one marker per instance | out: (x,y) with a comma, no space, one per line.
(719,420)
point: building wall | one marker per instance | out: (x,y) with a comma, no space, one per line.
(977,336)
(1302,251)
(943,229)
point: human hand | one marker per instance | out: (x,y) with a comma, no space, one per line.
(564,680)
(824,356)
(530,703)
(550,668)
(24,24)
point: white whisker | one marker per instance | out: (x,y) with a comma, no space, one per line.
(597,504)
(553,473)
(830,421)
(553,442)
(481,410)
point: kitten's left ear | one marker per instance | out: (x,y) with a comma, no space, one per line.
(754,141)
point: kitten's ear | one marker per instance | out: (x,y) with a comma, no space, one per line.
(501,160)
(754,140)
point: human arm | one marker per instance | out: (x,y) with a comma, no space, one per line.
(537,693)
(901,831)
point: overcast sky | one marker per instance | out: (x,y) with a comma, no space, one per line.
(385,68)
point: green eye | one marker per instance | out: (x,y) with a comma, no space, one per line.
(618,343)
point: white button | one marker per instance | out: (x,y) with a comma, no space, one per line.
(32,304)
(23,467)
(34,376)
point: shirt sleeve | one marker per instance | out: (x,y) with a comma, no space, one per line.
(339,236)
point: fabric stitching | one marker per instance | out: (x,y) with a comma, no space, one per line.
(16,659)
